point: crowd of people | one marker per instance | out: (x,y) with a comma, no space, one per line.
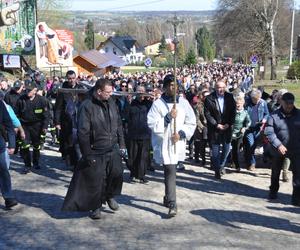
(100,122)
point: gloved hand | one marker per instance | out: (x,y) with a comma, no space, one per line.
(124,153)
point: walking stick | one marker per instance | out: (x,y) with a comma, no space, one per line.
(175,22)
(175,82)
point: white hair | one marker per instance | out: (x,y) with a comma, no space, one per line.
(255,93)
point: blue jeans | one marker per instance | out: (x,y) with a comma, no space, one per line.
(219,158)
(7,159)
(250,142)
(5,181)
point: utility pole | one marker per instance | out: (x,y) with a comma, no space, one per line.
(292,33)
(175,23)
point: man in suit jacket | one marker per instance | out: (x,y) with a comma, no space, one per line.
(219,108)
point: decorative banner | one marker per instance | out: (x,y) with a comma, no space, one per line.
(17,24)
(52,48)
(66,36)
(11,61)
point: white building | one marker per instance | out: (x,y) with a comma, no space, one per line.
(125,47)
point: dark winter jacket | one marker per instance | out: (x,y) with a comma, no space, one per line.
(136,118)
(33,111)
(6,129)
(99,126)
(65,106)
(214,117)
(11,99)
(284,130)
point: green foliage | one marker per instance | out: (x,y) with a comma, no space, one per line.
(79,44)
(180,53)
(191,57)
(162,62)
(99,39)
(294,71)
(89,35)
(205,44)
(163,45)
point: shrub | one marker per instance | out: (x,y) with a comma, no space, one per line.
(294,71)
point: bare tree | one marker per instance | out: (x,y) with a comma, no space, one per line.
(53,12)
(249,26)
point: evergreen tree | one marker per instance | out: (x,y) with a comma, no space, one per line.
(89,35)
(180,53)
(205,44)
(191,57)
(163,45)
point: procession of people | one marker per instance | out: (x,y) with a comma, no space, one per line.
(147,121)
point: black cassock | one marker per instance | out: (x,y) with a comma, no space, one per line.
(95,180)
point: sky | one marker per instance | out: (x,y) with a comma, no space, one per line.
(143,5)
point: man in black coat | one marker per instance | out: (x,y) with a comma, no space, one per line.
(98,176)
(283,133)
(11,98)
(32,110)
(65,119)
(139,137)
(219,109)
(14,94)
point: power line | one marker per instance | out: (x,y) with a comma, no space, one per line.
(128,5)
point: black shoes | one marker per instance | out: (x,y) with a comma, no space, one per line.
(172,209)
(10,202)
(113,204)
(223,171)
(180,166)
(152,169)
(252,167)
(96,214)
(144,181)
(36,166)
(136,180)
(26,170)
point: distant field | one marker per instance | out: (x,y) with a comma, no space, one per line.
(133,69)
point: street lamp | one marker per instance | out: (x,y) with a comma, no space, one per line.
(292,33)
